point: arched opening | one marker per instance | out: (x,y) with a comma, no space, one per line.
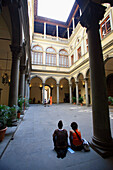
(89,87)
(110,85)
(73,90)
(64,91)
(36,90)
(81,87)
(52,89)
(109,75)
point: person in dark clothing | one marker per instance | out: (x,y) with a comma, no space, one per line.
(60,139)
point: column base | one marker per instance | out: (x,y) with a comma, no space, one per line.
(104,149)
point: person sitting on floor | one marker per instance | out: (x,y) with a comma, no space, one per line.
(75,137)
(60,139)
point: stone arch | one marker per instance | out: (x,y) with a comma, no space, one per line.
(37,45)
(64,78)
(50,77)
(52,48)
(36,76)
(87,73)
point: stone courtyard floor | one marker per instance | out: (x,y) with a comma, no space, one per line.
(32,146)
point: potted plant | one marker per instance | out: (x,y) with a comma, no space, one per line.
(81,100)
(74,100)
(21,101)
(3,121)
(11,113)
(110,100)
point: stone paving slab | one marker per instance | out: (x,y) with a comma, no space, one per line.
(32,147)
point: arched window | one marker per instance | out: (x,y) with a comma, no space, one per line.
(37,55)
(63,58)
(50,57)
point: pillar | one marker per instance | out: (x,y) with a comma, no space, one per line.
(57,59)
(101,140)
(73,24)
(57,93)
(13,92)
(77,94)
(86,91)
(44,30)
(70,89)
(44,58)
(22,81)
(57,31)
(68,33)
(43,84)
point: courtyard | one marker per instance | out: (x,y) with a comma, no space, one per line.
(32,146)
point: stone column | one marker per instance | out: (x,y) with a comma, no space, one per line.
(86,91)
(57,31)
(44,30)
(13,92)
(44,57)
(57,93)
(22,81)
(43,84)
(77,94)
(101,140)
(68,33)
(57,59)
(28,82)
(70,90)
(25,93)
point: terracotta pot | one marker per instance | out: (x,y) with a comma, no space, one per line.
(18,115)
(2,134)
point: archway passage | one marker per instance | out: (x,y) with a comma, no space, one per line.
(81,87)
(36,90)
(47,92)
(52,89)
(109,76)
(73,90)
(89,87)
(64,91)
(110,85)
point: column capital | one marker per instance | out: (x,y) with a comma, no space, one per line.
(16,51)
(57,84)
(92,15)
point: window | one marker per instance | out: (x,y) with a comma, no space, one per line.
(79,52)
(72,61)
(63,58)
(86,45)
(105,27)
(50,57)
(37,55)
